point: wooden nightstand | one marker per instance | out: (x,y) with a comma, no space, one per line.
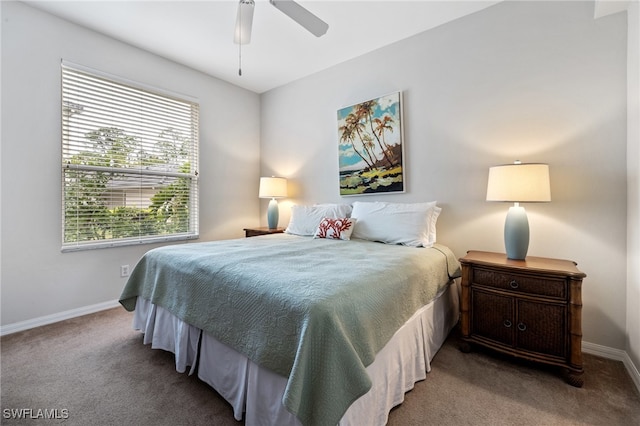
(254,232)
(528,308)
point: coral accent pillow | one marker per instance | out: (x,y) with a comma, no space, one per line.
(337,229)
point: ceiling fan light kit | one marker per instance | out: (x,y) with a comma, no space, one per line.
(293,10)
(244,22)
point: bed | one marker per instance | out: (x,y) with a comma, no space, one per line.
(295,329)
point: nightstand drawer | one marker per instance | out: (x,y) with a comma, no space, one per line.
(538,285)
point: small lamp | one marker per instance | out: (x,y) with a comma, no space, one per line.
(518,183)
(272,187)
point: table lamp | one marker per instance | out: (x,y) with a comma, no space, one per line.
(518,183)
(272,187)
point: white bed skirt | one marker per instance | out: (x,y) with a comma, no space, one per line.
(255,393)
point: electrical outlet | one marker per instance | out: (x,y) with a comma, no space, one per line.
(124,271)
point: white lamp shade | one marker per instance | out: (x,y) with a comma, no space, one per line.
(520,183)
(272,187)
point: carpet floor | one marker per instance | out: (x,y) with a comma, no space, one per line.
(94,370)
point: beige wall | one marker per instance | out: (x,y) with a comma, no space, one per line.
(633,173)
(535,81)
(37,279)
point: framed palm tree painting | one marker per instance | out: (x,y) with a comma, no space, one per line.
(370,146)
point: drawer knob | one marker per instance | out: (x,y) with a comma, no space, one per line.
(522,327)
(513,284)
(507,323)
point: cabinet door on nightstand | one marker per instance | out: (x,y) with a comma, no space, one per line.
(541,327)
(492,316)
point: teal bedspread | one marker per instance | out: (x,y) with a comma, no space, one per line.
(316,311)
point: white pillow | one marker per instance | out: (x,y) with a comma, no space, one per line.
(305,219)
(433,219)
(410,224)
(336,229)
(342,210)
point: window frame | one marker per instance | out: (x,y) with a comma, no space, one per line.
(127,173)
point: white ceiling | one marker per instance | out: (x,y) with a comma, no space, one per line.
(199,34)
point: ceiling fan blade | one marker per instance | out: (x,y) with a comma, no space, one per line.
(244,22)
(302,16)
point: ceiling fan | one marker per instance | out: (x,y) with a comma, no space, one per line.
(293,10)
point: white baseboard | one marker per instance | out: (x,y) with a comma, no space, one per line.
(616,354)
(50,319)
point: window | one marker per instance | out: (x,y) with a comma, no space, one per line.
(129,162)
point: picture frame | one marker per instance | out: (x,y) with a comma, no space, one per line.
(371,146)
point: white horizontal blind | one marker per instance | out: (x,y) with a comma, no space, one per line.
(129,163)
